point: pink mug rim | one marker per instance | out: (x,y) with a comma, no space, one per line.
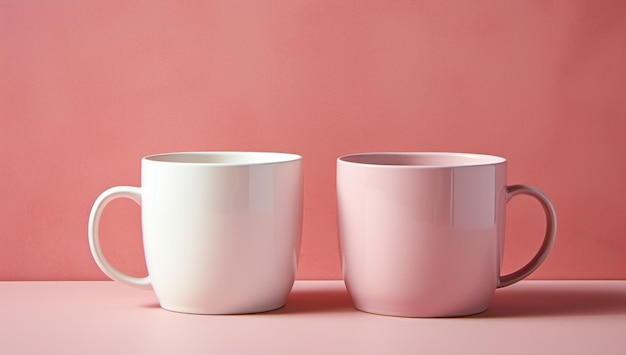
(420,160)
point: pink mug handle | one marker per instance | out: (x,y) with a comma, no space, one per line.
(548,239)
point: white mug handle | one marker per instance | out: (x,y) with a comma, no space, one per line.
(548,239)
(133,193)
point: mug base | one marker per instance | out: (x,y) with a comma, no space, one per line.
(217,311)
(419,314)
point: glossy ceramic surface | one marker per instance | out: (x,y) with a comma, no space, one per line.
(422,234)
(221,230)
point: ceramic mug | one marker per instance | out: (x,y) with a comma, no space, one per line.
(221,230)
(422,234)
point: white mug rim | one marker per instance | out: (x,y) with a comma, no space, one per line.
(222,158)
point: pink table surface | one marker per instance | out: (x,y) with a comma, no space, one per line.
(531,317)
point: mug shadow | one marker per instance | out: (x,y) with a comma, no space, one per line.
(316,301)
(516,302)
(154,305)
(570,301)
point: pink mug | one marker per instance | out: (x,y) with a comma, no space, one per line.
(422,234)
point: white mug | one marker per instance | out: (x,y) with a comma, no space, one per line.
(422,234)
(221,230)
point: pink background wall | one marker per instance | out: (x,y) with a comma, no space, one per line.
(89,87)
